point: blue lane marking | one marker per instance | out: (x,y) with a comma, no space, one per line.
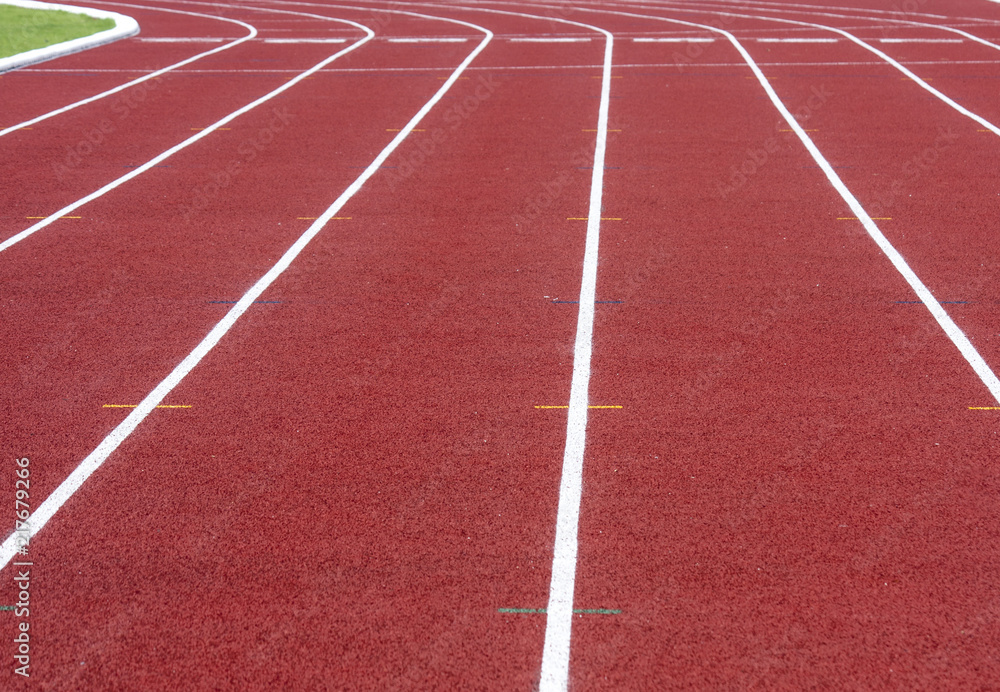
(577,302)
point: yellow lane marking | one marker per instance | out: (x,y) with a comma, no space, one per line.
(984,408)
(587,407)
(135,405)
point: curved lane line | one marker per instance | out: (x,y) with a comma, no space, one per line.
(559,612)
(51,218)
(712,7)
(817,9)
(41,516)
(851,37)
(153,75)
(961,341)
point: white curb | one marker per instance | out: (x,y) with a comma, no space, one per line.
(124,27)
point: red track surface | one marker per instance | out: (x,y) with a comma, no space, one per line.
(795,492)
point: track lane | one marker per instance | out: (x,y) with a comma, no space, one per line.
(31,191)
(113,281)
(490,615)
(737,382)
(515,132)
(733,399)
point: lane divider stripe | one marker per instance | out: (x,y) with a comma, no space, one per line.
(552,39)
(305,40)
(426,40)
(798,40)
(673,40)
(13,240)
(961,341)
(47,509)
(559,612)
(252,33)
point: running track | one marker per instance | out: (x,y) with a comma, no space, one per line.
(293,371)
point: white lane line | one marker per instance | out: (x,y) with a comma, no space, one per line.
(986,375)
(824,10)
(180,39)
(550,39)
(559,612)
(845,14)
(965,347)
(425,39)
(52,218)
(305,40)
(673,40)
(797,40)
(871,49)
(511,68)
(95,459)
(152,75)
(920,40)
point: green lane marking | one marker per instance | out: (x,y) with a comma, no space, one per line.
(7,607)
(576,611)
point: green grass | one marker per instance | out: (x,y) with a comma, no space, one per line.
(22,29)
